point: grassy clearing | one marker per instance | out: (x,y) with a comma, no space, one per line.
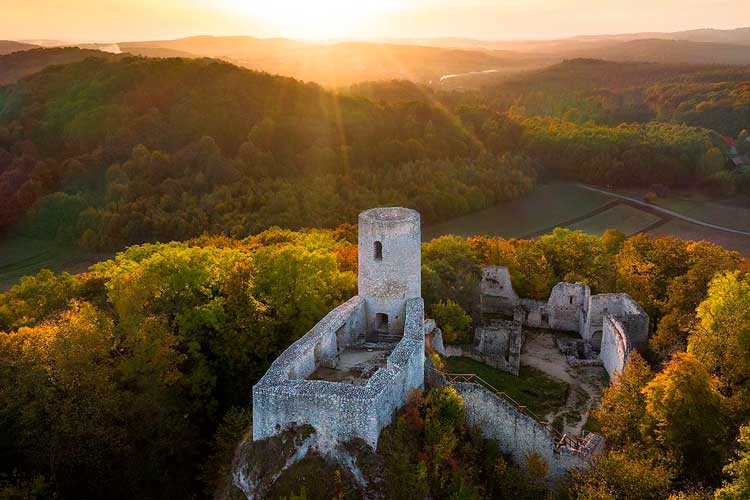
(626,218)
(539,392)
(550,205)
(21,256)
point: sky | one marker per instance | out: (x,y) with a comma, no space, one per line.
(127,20)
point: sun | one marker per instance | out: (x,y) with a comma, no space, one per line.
(314,18)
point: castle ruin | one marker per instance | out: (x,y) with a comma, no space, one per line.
(612,324)
(348,376)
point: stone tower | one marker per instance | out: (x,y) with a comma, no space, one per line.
(389,268)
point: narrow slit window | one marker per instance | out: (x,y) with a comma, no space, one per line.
(378,250)
(571,299)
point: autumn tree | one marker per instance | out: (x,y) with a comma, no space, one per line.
(721,338)
(737,487)
(623,404)
(621,475)
(686,417)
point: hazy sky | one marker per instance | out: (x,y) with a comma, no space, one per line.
(122,20)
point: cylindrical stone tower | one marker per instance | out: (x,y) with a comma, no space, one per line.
(390,261)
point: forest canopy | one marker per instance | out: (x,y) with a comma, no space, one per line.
(176,334)
(106,153)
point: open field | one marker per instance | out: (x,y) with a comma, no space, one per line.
(626,218)
(550,205)
(21,256)
(569,205)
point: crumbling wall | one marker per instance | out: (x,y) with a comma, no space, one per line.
(565,305)
(496,293)
(536,313)
(339,412)
(518,434)
(626,312)
(497,344)
(615,346)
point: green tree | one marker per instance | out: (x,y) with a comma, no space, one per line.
(454,322)
(623,404)
(622,475)
(721,337)
(737,487)
(686,417)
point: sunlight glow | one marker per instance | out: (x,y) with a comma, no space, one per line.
(313,18)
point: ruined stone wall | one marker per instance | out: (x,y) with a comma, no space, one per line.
(496,292)
(621,306)
(536,313)
(615,346)
(339,412)
(565,305)
(390,266)
(518,434)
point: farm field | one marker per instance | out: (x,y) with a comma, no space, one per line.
(626,218)
(724,214)
(21,256)
(549,206)
(572,206)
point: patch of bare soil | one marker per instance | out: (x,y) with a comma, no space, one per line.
(586,382)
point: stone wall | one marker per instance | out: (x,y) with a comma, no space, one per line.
(571,307)
(339,412)
(536,315)
(519,435)
(615,346)
(497,344)
(497,295)
(566,304)
(616,324)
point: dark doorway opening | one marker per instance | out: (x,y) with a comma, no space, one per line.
(381,323)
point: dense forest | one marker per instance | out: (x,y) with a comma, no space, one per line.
(107,153)
(176,334)
(231,165)
(141,150)
(610,93)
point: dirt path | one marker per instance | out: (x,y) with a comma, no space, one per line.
(665,211)
(586,383)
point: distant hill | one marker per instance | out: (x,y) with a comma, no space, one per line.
(670,51)
(739,36)
(582,90)
(342,64)
(17,65)
(8,47)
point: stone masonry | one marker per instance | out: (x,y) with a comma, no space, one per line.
(387,311)
(613,324)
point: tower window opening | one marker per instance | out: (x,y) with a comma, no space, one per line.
(378,250)
(571,299)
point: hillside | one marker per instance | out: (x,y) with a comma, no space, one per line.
(18,65)
(669,51)
(115,152)
(341,64)
(8,47)
(709,96)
